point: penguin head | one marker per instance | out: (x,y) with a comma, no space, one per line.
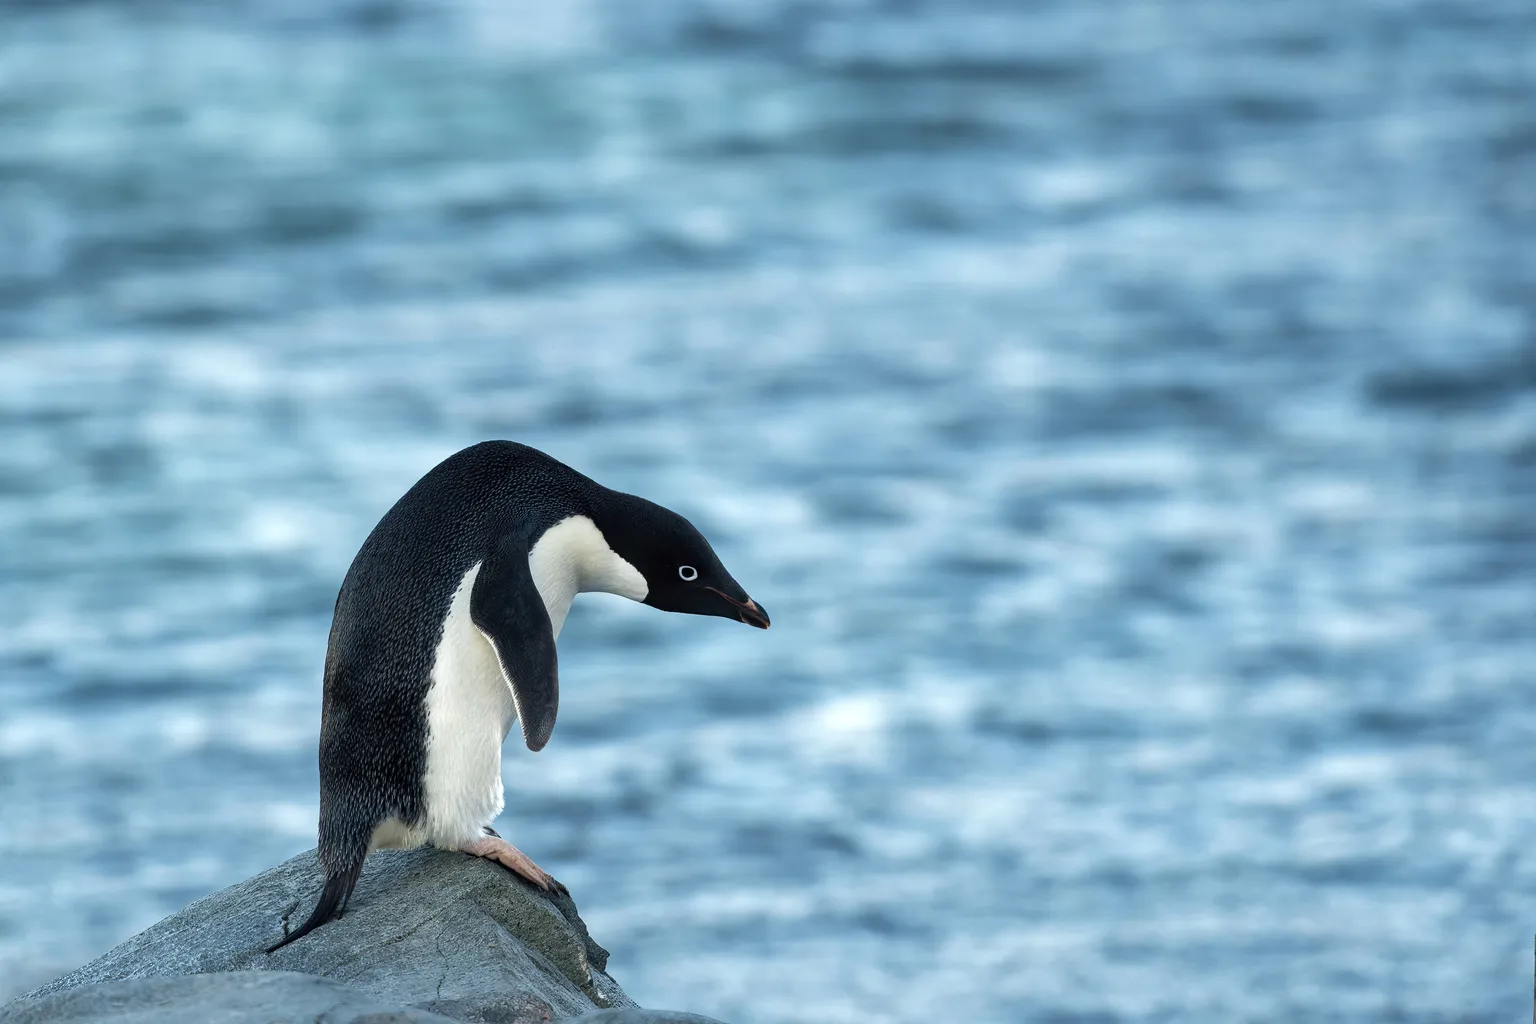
(682,572)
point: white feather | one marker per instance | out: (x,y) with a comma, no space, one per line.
(573,558)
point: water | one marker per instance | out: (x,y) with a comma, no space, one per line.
(1126,411)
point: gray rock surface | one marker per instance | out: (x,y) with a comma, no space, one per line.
(444,932)
(246,997)
(633,1015)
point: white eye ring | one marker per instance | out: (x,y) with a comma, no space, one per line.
(688,572)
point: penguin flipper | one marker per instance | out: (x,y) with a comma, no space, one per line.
(332,901)
(506,607)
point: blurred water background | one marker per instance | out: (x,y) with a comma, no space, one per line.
(1126,410)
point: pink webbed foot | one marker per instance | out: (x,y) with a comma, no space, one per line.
(493,847)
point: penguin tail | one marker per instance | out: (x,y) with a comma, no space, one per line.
(332,901)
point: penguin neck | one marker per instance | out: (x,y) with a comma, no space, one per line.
(572,557)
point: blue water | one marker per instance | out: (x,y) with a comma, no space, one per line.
(1127,412)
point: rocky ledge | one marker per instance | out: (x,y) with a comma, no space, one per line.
(428,936)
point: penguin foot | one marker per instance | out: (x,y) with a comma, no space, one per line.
(493,847)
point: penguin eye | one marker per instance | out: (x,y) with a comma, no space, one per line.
(688,572)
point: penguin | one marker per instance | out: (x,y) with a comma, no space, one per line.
(444,636)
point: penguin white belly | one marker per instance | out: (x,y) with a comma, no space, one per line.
(469,712)
(470,703)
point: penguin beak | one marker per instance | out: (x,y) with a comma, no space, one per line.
(748,611)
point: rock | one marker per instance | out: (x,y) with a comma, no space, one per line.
(633,1015)
(244,997)
(442,932)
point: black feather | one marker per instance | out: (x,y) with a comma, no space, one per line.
(333,900)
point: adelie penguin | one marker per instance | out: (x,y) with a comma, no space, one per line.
(444,635)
